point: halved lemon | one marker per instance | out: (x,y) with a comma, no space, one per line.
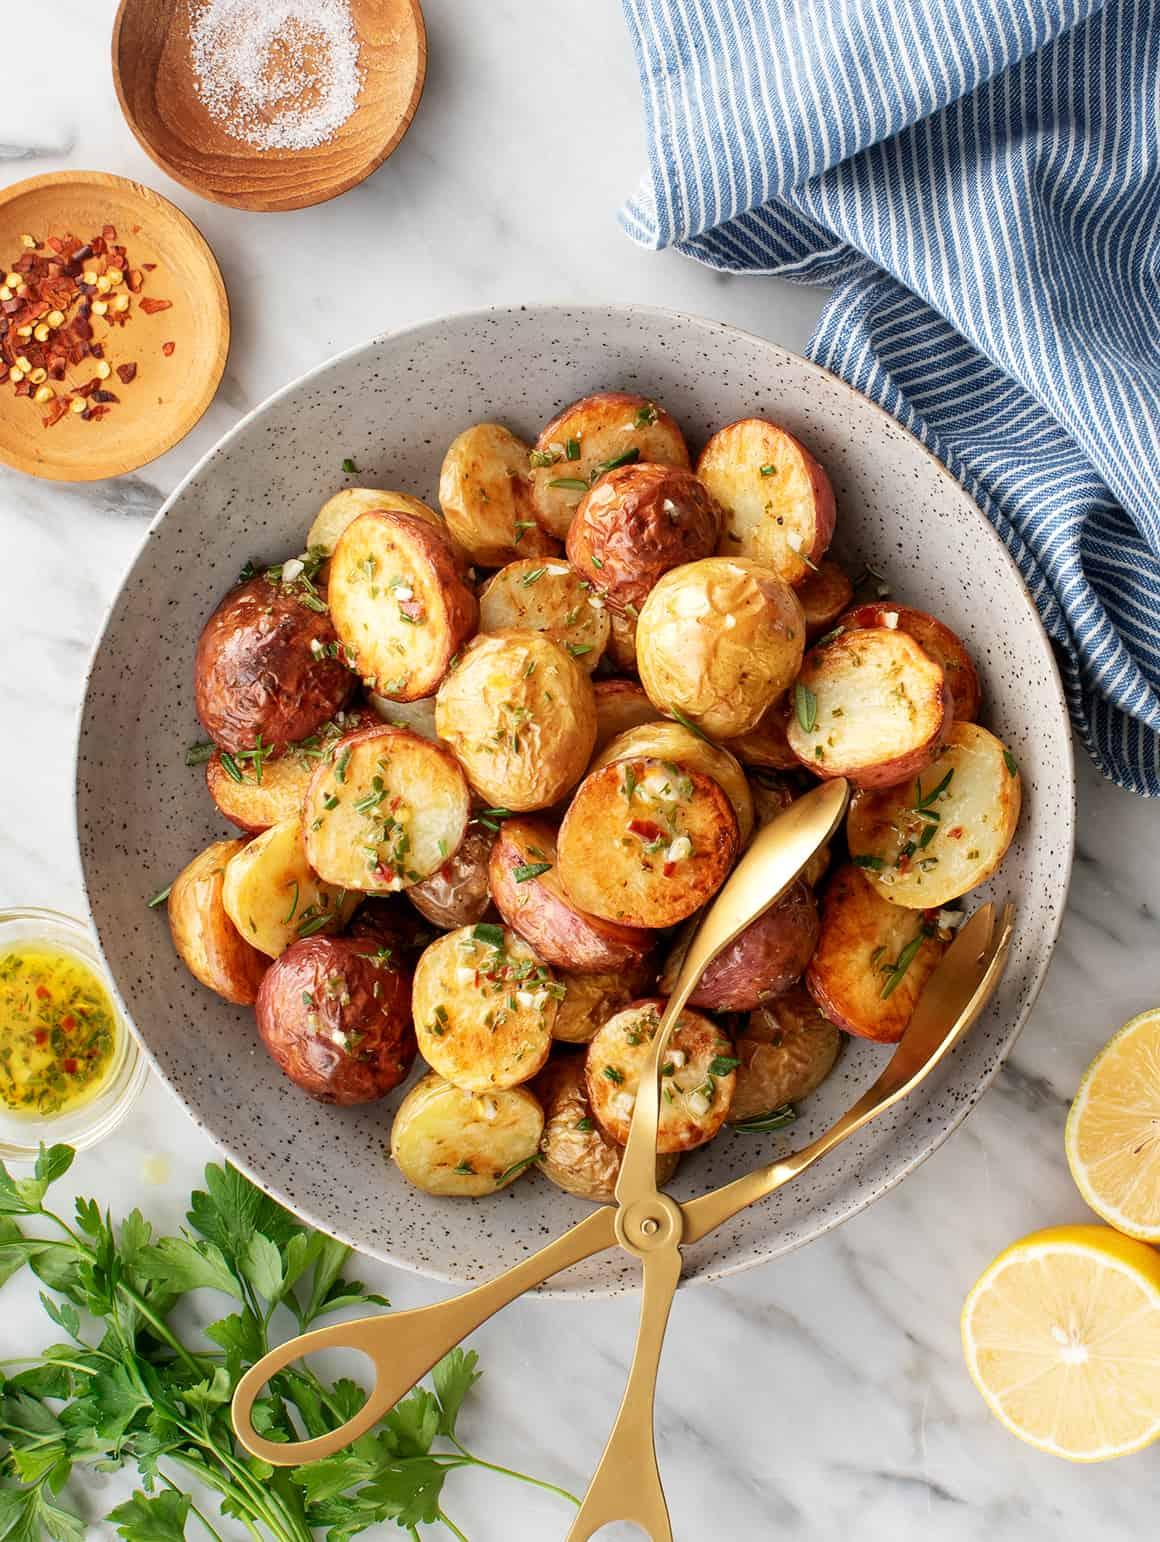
(1062,1338)
(1113,1130)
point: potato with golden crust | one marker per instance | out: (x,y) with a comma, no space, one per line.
(871,706)
(766,745)
(484,1006)
(824,594)
(637,523)
(399,603)
(336,1018)
(786,1050)
(529,895)
(590,438)
(664,740)
(928,841)
(546,595)
(589,1000)
(698,1075)
(759,965)
(933,637)
(464,1145)
(267,667)
(718,641)
(385,812)
(621,650)
(779,505)
(207,941)
(346,506)
(520,716)
(620,705)
(872,960)
(255,792)
(643,846)
(458,893)
(273,896)
(485,492)
(575,1153)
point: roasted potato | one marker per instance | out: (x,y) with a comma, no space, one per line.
(644,847)
(399,603)
(484,1006)
(620,705)
(872,959)
(387,921)
(590,438)
(869,705)
(485,493)
(824,594)
(766,745)
(452,1142)
(698,1074)
(928,841)
(206,939)
(547,596)
(934,638)
(667,741)
(256,792)
(337,1019)
(763,962)
(589,1000)
(520,716)
(718,642)
(419,716)
(386,811)
(621,650)
(637,523)
(267,669)
(575,1153)
(532,900)
(779,505)
(457,894)
(274,897)
(346,506)
(787,1050)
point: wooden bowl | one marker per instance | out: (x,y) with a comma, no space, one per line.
(170,391)
(156,86)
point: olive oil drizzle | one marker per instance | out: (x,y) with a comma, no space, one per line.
(57,1031)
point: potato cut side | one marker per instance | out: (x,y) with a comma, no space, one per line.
(698,1075)
(645,847)
(666,741)
(621,650)
(459,1144)
(869,705)
(591,999)
(255,794)
(550,597)
(484,1006)
(346,506)
(873,959)
(385,812)
(824,594)
(208,942)
(620,705)
(398,603)
(575,1153)
(485,492)
(273,896)
(778,500)
(930,840)
(787,1050)
(933,637)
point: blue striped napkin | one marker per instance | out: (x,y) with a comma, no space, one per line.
(980,182)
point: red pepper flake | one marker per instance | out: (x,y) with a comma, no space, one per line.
(68,1022)
(956,834)
(126,373)
(151,306)
(645,829)
(669,869)
(134,279)
(149,266)
(40,1036)
(109,232)
(42,994)
(56,411)
(70,1065)
(167,349)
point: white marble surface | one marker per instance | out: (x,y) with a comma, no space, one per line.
(821,1397)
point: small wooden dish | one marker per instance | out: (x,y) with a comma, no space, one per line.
(156,87)
(169,392)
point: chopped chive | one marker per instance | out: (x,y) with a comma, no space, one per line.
(613,1074)
(289,916)
(627,459)
(873,863)
(349,466)
(487,931)
(572,449)
(578,650)
(466,1169)
(923,800)
(721,1065)
(1009,762)
(902,963)
(532,576)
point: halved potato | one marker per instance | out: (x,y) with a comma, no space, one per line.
(778,501)
(419,716)
(591,999)
(550,597)
(398,603)
(643,846)
(667,741)
(698,1075)
(928,841)
(824,595)
(484,1006)
(385,812)
(760,964)
(933,637)
(575,1153)
(485,492)
(273,896)
(869,705)
(257,793)
(718,642)
(454,1143)
(786,1050)
(458,894)
(620,705)
(529,895)
(208,942)
(621,650)
(872,959)
(520,715)
(346,506)
(588,439)
(766,745)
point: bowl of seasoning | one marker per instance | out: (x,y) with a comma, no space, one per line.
(69,1066)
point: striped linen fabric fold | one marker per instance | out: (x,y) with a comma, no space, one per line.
(979,182)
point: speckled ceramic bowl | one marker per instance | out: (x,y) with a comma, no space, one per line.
(394,405)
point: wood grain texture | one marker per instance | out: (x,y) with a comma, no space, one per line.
(154,78)
(169,394)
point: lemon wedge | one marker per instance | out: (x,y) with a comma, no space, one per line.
(1113,1130)
(1062,1337)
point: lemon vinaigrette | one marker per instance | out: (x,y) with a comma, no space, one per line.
(59,1031)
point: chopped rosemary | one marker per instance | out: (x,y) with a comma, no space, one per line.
(627,459)
(529,870)
(896,971)
(806,706)
(1009,762)
(518,1167)
(776,1119)
(689,724)
(160,897)
(198,754)
(873,863)
(572,484)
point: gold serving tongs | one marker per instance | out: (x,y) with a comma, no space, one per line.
(404,1346)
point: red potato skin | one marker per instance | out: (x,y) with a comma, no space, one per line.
(340,979)
(933,637)
(255,671)
(766,959)
(389,921)
(458,894)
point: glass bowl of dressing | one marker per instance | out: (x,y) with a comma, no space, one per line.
(69,1066)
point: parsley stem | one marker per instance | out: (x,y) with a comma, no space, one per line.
(213,1531)
(451,1526)
(510,1472)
